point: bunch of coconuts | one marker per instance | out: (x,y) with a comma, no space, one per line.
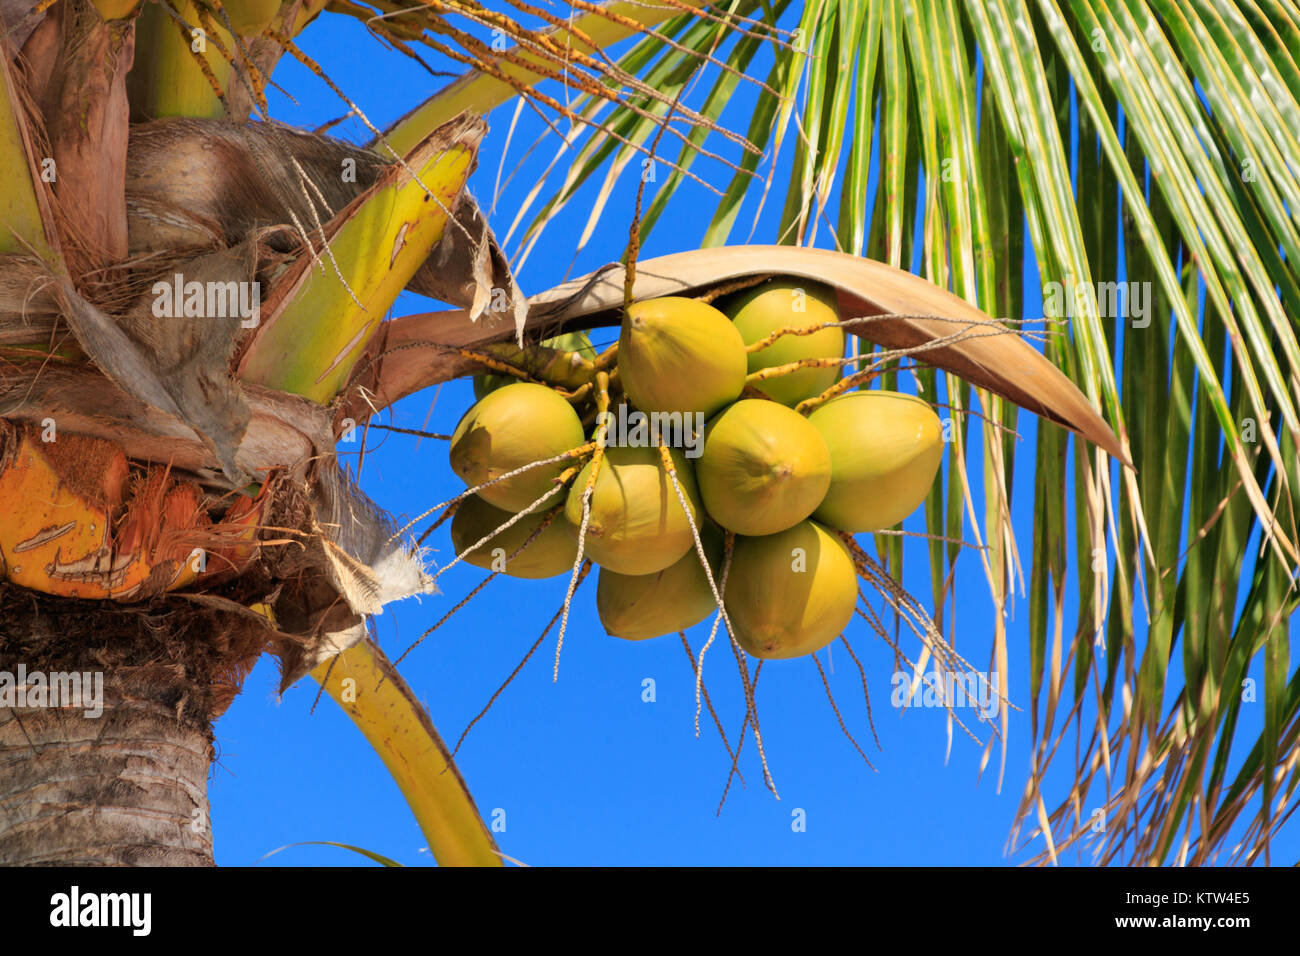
(787,461)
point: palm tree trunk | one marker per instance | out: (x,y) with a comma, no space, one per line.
(127,789)
(114,771)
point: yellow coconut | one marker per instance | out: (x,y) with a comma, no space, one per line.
(250,17)
(552,552)
(637,607)
(885,451)
(117,9)
(764,468)
(786,304)
(680,355)
(557,361)
(507,429)
(792,593)
(636,525)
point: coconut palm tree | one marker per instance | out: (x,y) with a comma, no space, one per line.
(187,296)
(173,505)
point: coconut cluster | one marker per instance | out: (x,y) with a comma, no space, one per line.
(736,435)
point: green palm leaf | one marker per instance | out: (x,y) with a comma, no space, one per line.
(1176,173)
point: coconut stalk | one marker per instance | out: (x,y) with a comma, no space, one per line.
(372,248)
(385,709)
(182,69)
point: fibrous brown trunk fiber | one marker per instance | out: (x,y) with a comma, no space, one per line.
(110,768)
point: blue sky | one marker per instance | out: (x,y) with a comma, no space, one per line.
(584,769)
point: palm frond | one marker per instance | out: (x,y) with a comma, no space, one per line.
(948,132)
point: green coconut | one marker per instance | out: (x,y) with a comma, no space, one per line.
(557,360)
(885,451)
(636,525)
(552,552)
(791,593)
(507,429)
(641,606)
(786,304)
(680,355)
(764,468)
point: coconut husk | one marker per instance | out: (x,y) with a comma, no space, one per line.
(550,550)
(468,270)
(641,607)
(17,20)
(81,400)
(299,569)
(791,593)
(347,564)
(207,182)
(213,183)
(29,308)
(180,365)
